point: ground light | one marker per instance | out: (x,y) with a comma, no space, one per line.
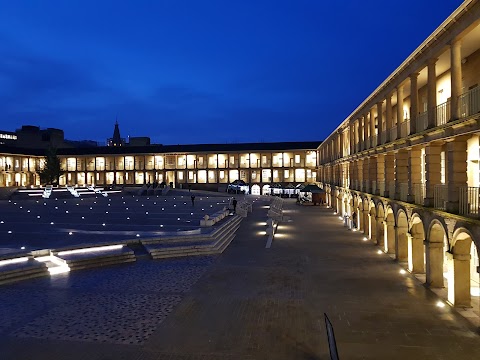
(440,304)
(402,271)
(379,252)
(365,238)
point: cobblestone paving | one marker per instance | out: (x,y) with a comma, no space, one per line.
(117,305)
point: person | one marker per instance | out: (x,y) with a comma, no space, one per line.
(193,200)
(234,203)
(189,187)
(354,219)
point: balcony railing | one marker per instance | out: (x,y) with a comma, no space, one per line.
(419,191)
(393,133)
(381,188)
(470,102)
(384,136)
(469,201)
(440,196)
(366,187)
(405,128)
(442,113)
(373,140)
(391,189)
(403,191)
(422,121)
(374,187)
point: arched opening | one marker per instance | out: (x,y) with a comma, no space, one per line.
(389,232)
(401,244)
(380,226)
(366,217)
(461,271)
(416,252)
(372,222)
(435,249)
(256,189)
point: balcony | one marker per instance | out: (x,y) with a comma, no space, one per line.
(391,189)
(405,128)
(469,201)
(422,121)
(403,191)
(381,188)
(384,137)
(440,196)
(393,133)
(419,192)
(470,102)
(442,113)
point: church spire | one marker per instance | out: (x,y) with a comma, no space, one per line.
(116,140)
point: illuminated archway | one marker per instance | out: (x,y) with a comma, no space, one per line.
(416,252)
(380,226)
(389,232)
(255,189)
(372,222)
(460,268)
(401,243)
(436,247)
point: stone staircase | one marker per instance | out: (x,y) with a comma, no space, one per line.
(214,243)
(14,269)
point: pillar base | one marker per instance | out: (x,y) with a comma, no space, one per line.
(428,202)
(452,207)
(411,199)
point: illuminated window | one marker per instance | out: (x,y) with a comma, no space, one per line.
(233,175)
(190,175)
(300,175)
(442,167)
(202,176)
(222,174)
(287,174)
(180,175)
(297,159)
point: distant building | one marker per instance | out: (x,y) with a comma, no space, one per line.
(116,140)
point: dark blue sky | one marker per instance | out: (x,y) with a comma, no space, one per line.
(204,71)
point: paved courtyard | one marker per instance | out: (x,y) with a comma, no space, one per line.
(56,222)
(248,303)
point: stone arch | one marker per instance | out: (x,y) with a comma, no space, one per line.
(416,252)
(461,268)
(389,231)
(401,244)
(436,246)
(380,224)
(372,216)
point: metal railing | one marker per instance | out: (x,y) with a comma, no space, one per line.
(384,136)
(440,196)
(405,128)
(422,121)
(393,133)
(469,203)
(442,113)
(419,191)
(470,102)
(381,188)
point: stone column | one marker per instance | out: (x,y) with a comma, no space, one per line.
(389,232)
(401,244)
(372,127)
(365,180)
(380,172)
(413,103)
(401,170)
(389,173)
(415,169)
(365,132)
(372,164)
(415,254)
(380,121)
(372,227)
(352,139)
(388,117)
(432,94)
(459,279)
(340,144)
(360,135)
(399,110)
(434,263)
(456,78)
(457,171)
(380,234)
(366,217)
(432,171)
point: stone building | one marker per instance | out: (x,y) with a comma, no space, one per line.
(406,160)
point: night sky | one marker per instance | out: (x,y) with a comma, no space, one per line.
(201,71)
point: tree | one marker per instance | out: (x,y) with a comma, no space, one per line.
(51,170)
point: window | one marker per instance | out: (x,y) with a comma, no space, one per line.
(297,159)
(442,167)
